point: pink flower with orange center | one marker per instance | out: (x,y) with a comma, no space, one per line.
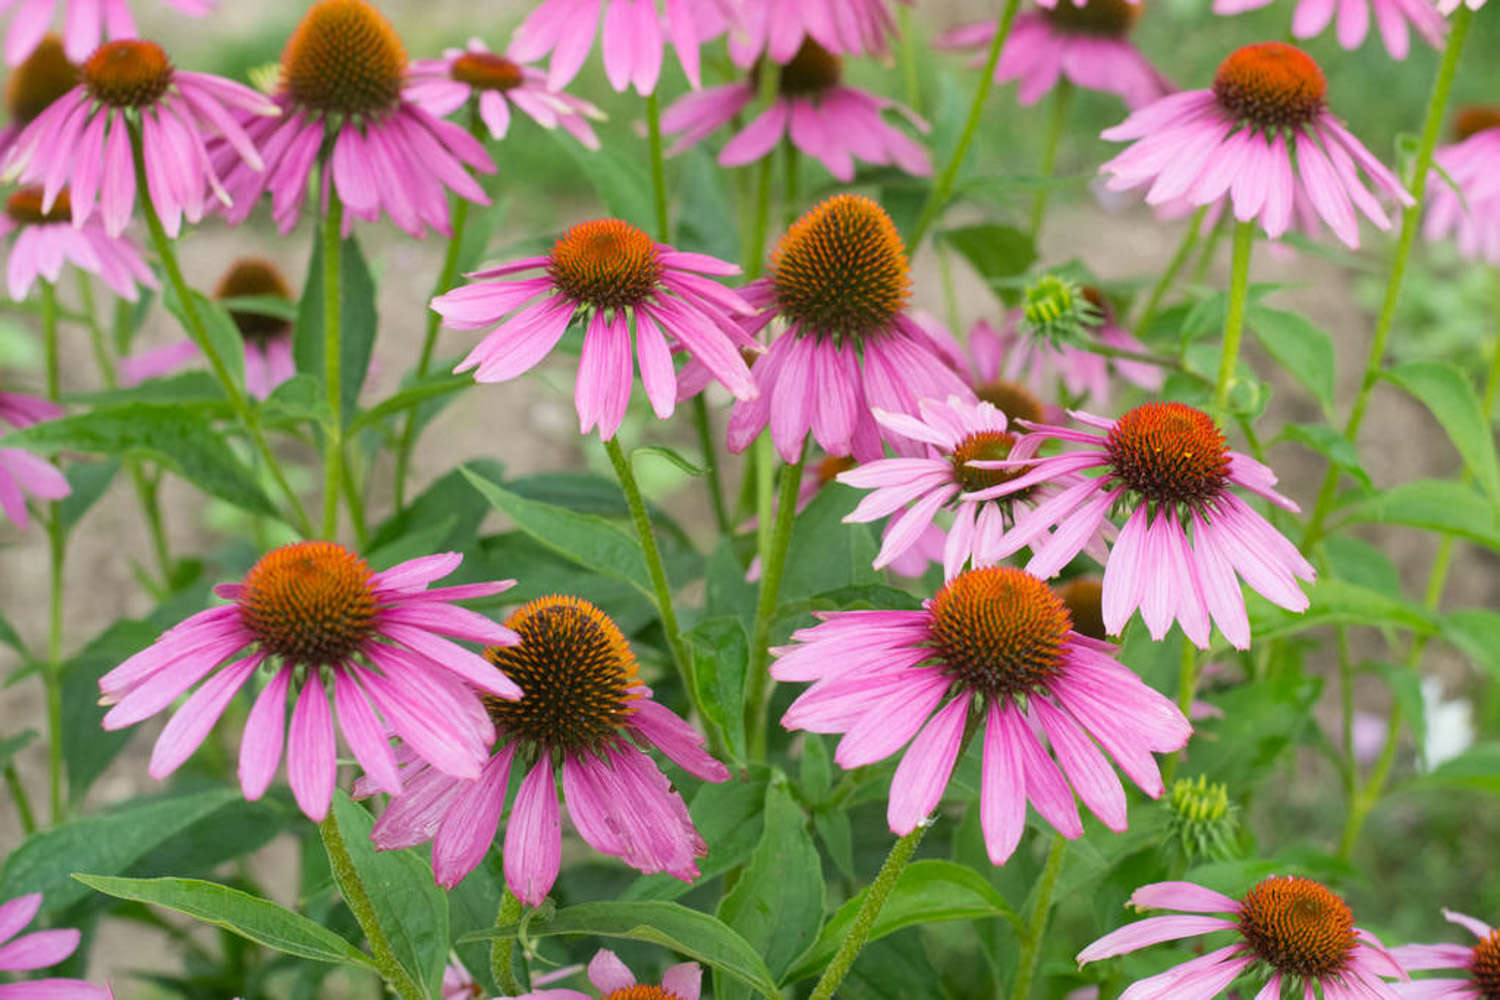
(85,23)
(1395,20)
(1478,964)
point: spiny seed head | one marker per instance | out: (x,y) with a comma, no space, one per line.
(984,446)
(606,263)
(577,674)
(1084,596)
(812,71)
(1169,453)
(1271,85)
(1203,822)
(641,991)
(25,207)
(1012,399)
(1473,120)
(309,603)
(999,631)
(486,71)
(1058,311)
(1298,927)
(1485,964)
(250,276)
(42,78)
(131,73)
(841,270)
(1102,18)
(344,58)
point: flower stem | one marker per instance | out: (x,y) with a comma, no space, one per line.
(355,894)
(1234,323)
(1187,689)
(773,566)
(869,910)
(704,425)
(333,375)
(658,167)
(57,543)
(1036,924)
(1062,100)
(199,332)
(1437,103)
(942,188)
(1174,268)
(654,565)
(755,254)
(502,962)
(21,799)
(910,83)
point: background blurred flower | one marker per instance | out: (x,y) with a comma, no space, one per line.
(41,240)
(1394,18)
(38,950)
(85,23)
(21,472)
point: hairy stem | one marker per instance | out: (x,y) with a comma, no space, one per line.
(502,960)
(1234,323)
(1174,268)
(1062,100)
(333,374)
(772,567)
(358,898)
(1036,924)
(57,543)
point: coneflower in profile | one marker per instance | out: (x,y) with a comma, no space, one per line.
(21,472)
(342,105)
(45,75)
(585,716)
(839,280)
(39,241)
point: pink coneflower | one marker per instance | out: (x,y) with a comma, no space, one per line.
(834,124)
(1447,7)
(21,472)
(840,279)
(1293,928)
(1087,44)
(42,240)
(268,339)
(1394,18)
(1263,136)
(612,273)
(85,23)
(583,713)
(1463,199)
(778,28)
(497,83)
(38,950)
(634,38)
(314,616)
(616,982)
(42,78)
(1002,643)
(1479,964)
(83,140)
(1169,466)
(342,74)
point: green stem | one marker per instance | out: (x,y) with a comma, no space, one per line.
(1062,99)
(772,567)
(199,332)
(869,910)
(354,893)
(1437,103)
(908,58)
(333,375)
(654,565)
(354,498)
(1234,324)
(942,188)
(1187,689)
(707,445)
(57,543)
(1036,925)
(791,193)
(760,226)
(502,960)
(1210,250)
(658,168)
(1346,716)
(1174,268)
(23,801)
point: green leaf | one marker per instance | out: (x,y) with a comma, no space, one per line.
(357,324)
(412,910)
(1303,349)
(251,917)
(1438,505)
(429,388)
(105,844)
(696,935)
(706,223)
(187,387)
(997,252)
(298,399)
(87,749)
(1332,445)
(1476,633)
(448,498)
(175,436)
(1339,602)
(589,541)
(830,554)
(1447,393)
(275,306)
(927,892)
(12,745)
(777,903)
(1260,722)
(222,333)
(620,181)
(1476,769)
(721,651)
(1406,689)
(88,480)
(668,455)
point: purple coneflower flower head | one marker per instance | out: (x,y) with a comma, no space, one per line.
(840,280)
(85,23)
(1478,965)
(313,616)
(995,645)
(268,339)
(1263,137)
(21,472)
(1464,199)
(130,92)
(38,950)
(955,432)
(1086,44)
(583,713)
(635,35)
(1294,928)
(828,121)
(497,84)
(779,28)
(41,240)
(1170,467)
(342,77)
(1394,18)
(614,981)
(45,75)
(613,275)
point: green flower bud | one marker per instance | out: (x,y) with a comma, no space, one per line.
(1058,310)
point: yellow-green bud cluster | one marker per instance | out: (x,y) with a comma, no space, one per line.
(1203,822)
(1057,310)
